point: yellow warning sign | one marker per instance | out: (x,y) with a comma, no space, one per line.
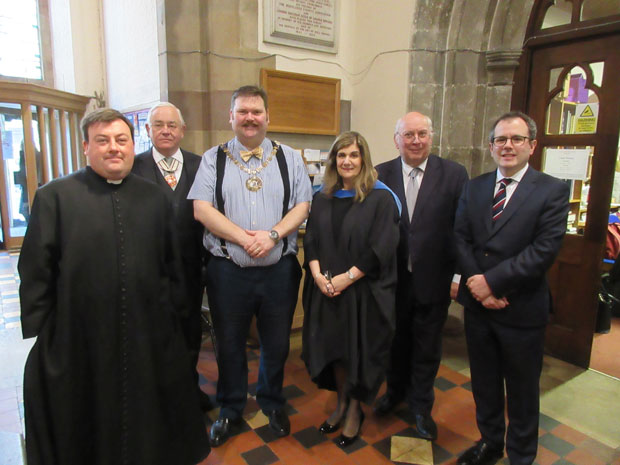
(586,117)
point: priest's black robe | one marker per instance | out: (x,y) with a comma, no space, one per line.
(108,380)
(356,327)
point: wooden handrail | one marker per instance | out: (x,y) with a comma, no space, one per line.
(58,114)
(19,92)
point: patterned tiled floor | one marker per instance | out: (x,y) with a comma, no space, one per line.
(389,440)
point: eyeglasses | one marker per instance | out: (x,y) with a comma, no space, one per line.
(515,140)
(159,125)
(408,136)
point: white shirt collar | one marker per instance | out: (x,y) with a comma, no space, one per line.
(407,169)
(176,155)
(515,177)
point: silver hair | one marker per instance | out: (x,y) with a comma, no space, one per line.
(161,105)
(399,123)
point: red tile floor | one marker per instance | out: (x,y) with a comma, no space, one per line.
(389,440)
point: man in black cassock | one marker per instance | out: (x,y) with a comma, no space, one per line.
(108,379)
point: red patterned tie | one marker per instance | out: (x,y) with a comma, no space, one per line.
(500,198)
(169,167)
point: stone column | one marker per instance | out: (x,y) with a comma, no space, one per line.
(207,49)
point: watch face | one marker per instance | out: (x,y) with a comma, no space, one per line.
(274,235)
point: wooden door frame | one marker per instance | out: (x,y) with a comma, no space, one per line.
(560,339)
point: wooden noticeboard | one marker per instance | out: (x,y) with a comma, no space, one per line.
(301,103)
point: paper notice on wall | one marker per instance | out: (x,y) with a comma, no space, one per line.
(312,155)
(567,163)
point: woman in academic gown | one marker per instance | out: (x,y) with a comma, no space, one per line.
(350,252)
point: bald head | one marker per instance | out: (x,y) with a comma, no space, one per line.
(413,137)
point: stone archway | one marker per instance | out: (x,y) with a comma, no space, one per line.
(461,71)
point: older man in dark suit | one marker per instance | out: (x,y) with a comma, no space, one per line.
(509,228)
(174,169)
(429,188)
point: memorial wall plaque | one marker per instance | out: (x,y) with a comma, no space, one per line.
(310,24)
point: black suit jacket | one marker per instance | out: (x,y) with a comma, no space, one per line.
(428,238)
(189,231)
(515,253)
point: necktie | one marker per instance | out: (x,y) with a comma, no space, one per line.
(413,187)
(169,165)
(247,154)
(500,198)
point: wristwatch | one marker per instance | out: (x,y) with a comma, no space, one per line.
(350,275)
(274,236)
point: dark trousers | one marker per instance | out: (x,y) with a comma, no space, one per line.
(235,295)
(501,354)
(415,354)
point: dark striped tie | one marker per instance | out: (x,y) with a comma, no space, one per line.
(500,198)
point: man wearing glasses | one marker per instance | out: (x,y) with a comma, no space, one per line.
(429,188)
(509,228)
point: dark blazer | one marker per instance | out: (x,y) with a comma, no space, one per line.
(515,253)
(428,238)
(189,231)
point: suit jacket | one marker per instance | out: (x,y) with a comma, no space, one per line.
(189,231)
(515,253)
(428,237)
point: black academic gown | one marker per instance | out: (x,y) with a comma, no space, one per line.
(355,328)
(107,381)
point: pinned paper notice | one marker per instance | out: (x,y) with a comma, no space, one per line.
(567,163)
(312,155)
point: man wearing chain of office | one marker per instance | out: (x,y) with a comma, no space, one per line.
(251,194)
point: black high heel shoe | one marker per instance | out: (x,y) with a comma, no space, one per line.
(344,441)
(326,428)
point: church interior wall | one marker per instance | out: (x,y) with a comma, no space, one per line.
(453,60)
(132,70)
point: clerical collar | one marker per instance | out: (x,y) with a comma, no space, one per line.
(114,181)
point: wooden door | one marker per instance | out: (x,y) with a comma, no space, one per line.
(574,96)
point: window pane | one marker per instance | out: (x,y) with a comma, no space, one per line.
(14,167)
(574,110)
(574,165)
(558,14)
(20,52)
(591,9)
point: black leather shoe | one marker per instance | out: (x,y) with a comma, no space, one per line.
(279,422)
(480,454)
(326,428)
(220,431)
(386,403)
(427,429)
(344,441)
